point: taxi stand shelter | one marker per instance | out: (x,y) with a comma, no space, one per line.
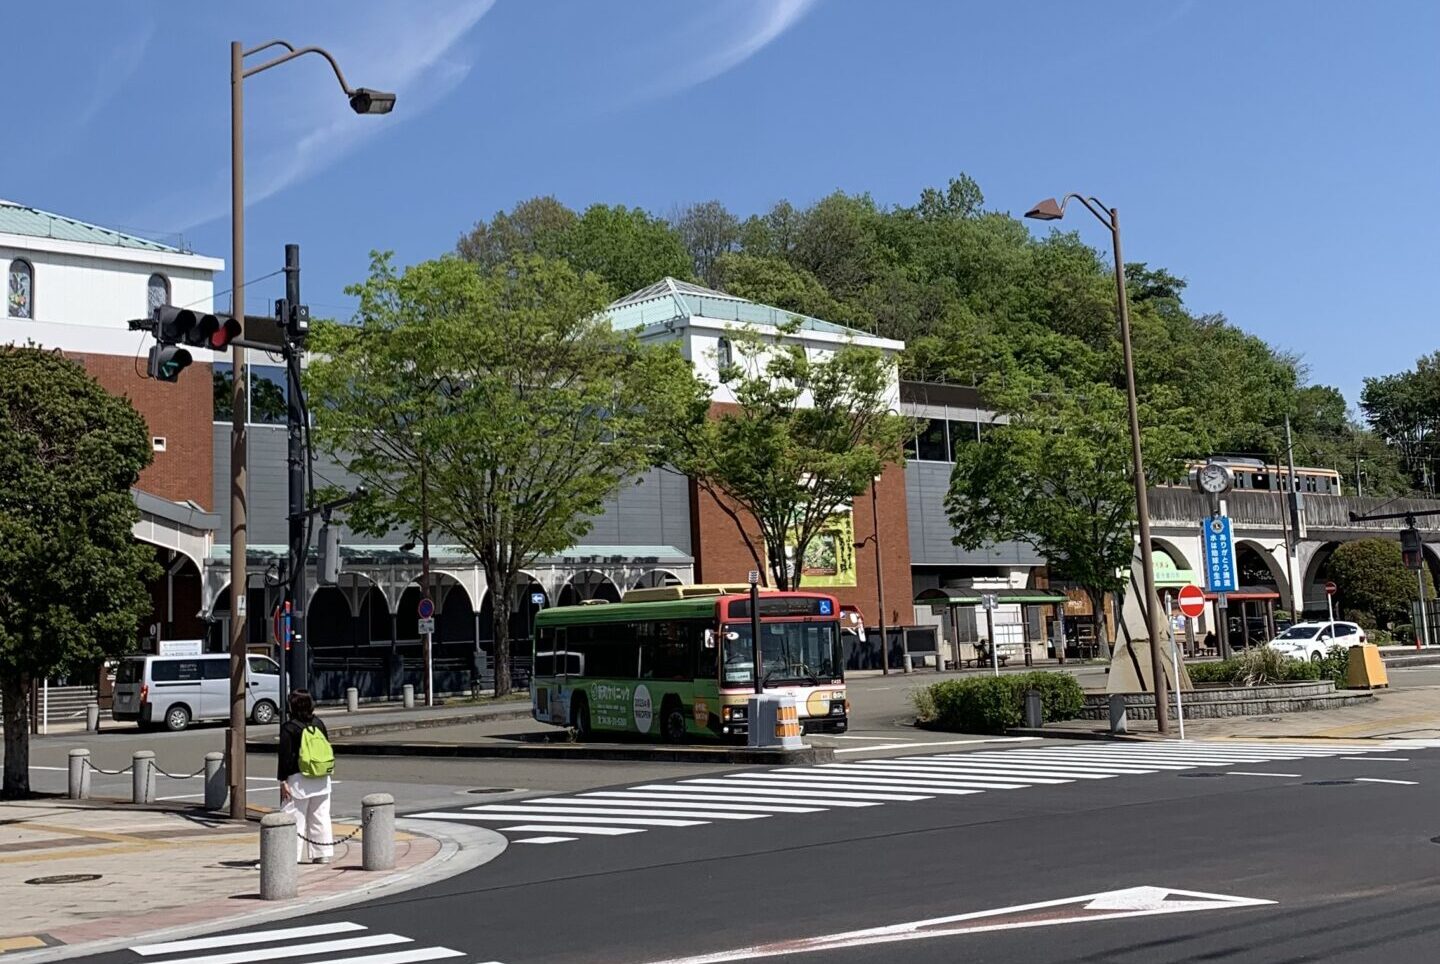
(950,599)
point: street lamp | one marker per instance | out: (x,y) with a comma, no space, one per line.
(362,101)
(1052,210)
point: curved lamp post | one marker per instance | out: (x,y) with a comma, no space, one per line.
(363,100)
(1052,210)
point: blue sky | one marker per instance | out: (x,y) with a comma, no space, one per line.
(1279,155)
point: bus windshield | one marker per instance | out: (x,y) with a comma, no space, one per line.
(798,652)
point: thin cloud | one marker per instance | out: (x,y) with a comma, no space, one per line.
(732,34)
(307,127)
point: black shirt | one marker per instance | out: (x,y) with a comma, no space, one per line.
(290,732)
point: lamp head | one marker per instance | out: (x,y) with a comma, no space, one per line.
(1047,210)
(367,101)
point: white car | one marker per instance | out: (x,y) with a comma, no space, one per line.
(1314,640)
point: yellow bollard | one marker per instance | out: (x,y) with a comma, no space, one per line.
(1365,670)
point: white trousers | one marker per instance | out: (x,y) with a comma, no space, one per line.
(312,817)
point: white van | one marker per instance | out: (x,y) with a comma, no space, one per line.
(173,691)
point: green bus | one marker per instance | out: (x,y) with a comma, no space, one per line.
(676,662)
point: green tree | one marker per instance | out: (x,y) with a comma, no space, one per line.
(72,578)
(707,230)
(626,247)
(774,281)
(805,436)
(1056,477)
(1404,410)
(1371,579)
(528,409)
(537,226)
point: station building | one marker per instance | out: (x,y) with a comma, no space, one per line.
(73,286)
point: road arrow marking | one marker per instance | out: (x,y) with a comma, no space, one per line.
(1109,905)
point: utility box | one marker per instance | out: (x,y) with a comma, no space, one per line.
(1365,670)
(774,723)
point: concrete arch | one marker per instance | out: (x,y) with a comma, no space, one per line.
(1271,570)
(1312,581)
(1173,550)
(444,586)
(585,585)
(654,578)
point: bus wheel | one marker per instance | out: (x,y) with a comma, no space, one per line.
(672,721)
(580,717)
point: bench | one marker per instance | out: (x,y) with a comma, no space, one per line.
(970,656)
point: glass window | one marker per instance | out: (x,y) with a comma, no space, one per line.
(724,356)
(932,445)
(267,395)
(22,289)
(909,447)
(157,293)
(217,668)
(128,671)
(177,670)
(220,377)
(264,666)
(962,433)
(799,652)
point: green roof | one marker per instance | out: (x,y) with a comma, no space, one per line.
(967,596)
(34,223)
(696,607)
(670,299)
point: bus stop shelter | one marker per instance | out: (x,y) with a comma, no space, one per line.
(949,600)
(1249,604)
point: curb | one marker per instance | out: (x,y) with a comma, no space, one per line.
(520,712)
(579,751)
(462,849)
(1105,735)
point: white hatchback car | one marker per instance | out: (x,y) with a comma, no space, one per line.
(1314,640)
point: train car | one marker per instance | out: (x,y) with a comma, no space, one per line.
(1256,475)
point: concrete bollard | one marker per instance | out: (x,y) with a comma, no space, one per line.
(79,775)
(1117,713)
(1034,710)
(352,699)
(92,718)
(216,789)
(279,873)
(377,836)
(142,776)
(409,695)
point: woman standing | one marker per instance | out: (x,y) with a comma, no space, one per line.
(308,798)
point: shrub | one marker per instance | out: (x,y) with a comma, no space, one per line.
(1335,664)
(1256,668)
(992,704)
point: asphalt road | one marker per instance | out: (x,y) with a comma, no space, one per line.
(1287,865)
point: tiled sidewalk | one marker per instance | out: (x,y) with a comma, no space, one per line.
(153,869)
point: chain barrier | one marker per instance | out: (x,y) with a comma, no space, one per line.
(108,773)
(166,773)
(365,818)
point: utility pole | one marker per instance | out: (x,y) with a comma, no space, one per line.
(425,579)
(239,414)
(1297,530)
(294,324)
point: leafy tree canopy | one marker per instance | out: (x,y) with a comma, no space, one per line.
(72,578)
(509,388)
(1372,580)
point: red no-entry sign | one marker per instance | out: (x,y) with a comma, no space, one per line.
(1192,601)
(1331,589)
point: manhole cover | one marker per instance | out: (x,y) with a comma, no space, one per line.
(64,879)
(491,790)
(1202,775)
(1327,783)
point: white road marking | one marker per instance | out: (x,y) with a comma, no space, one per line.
(853,783)
(772,790)
(562,818)
(923,773)
(296,950)
(545,840)
(927,743)
(1249,773)
(1378,759)
(238,940)
(585,831)
(798,797)
(1111,905)
(985,763)
(717,802)
(898,779)
(624,812)
(1403,783)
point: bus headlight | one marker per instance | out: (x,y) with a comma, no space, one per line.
(737,713)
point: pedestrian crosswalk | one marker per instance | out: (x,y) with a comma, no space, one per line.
(874,781)
(343,942)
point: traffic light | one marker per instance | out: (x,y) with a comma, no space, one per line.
(199,329)
(1412,549)
(167,362)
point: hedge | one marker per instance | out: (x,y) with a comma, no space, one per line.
(1257,667)
(992,704)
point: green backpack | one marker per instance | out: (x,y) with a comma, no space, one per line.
(317,757)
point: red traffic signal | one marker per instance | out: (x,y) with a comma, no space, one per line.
(199,329)
(226,330)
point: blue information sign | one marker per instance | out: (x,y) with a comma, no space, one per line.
(1221,574)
